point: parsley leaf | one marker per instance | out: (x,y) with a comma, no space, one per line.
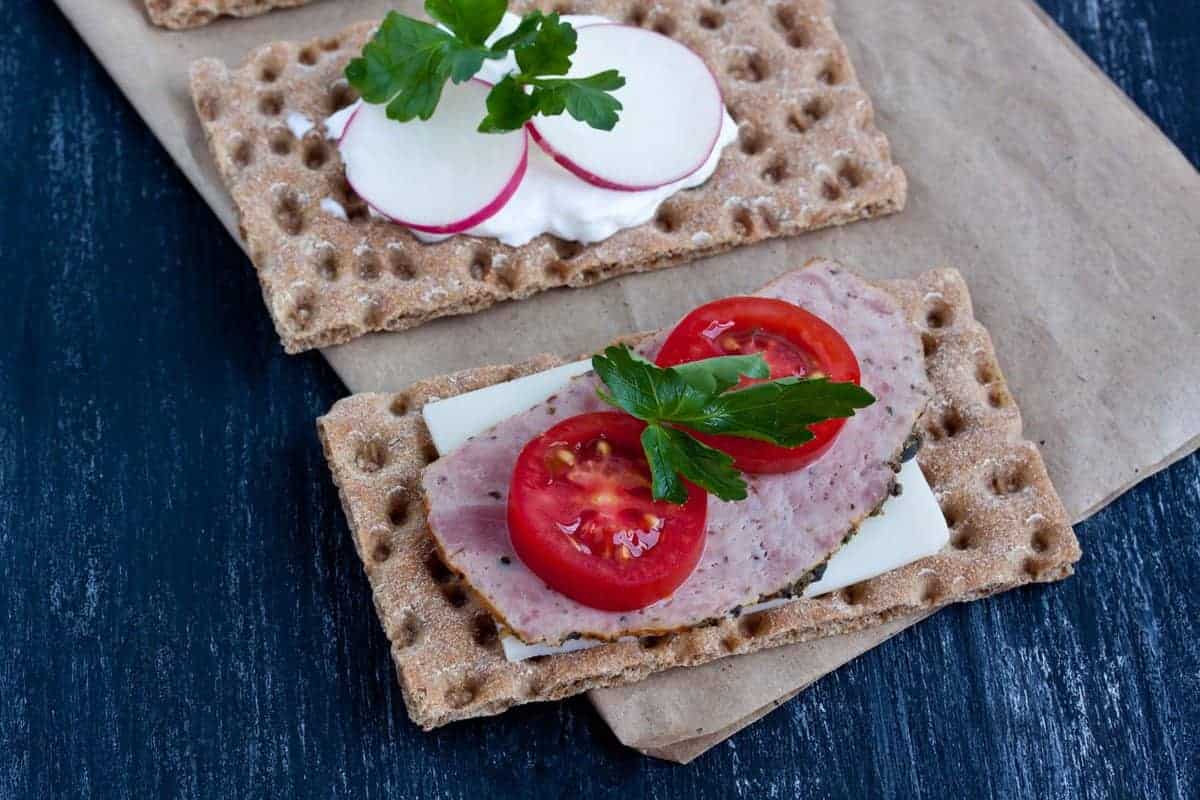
(672,453)
(464,62)
(523,35)
(586,99)
(406,64)
(698,396)
(715,375)
(509,107)
(547,51)
(472,21)
(645,390)
(781,411)
(665,483)
(550,51)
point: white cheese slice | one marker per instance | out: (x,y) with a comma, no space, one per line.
(516,650)
(454,420)
(910,527)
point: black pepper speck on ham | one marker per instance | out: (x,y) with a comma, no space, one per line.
(757,548)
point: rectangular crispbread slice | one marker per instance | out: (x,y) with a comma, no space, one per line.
(1008,528)
(808,156)
(180,14)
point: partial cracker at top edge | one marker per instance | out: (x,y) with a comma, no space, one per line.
(187,14)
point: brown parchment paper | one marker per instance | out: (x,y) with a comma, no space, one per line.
(1075,221)
(664,719)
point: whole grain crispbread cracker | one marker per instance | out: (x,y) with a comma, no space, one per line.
(808,156)
(1008,528)
(179,14)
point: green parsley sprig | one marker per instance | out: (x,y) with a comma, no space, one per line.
(406,64)
(697,397)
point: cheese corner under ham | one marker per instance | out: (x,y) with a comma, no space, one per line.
(756,548)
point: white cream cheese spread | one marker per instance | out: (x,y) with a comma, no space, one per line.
(551,199)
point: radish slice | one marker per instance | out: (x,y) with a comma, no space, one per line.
(670,122)
(435,176)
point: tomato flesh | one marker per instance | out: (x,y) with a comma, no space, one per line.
(794,342)
(581,516)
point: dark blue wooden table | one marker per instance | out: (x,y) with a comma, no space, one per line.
(183,614)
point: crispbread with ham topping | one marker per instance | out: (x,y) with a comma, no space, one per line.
(1008,529)
(757,548)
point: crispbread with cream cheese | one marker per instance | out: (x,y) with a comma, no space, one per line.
(808,156)
(1008,528)
(180,14)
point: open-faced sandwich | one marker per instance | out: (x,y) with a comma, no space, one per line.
(403,170)
(742,480)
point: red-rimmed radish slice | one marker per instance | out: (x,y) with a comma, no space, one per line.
(670,122)
(439,175)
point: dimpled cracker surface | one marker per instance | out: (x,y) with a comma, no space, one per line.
(194,13)
(808,156)
(1008,528)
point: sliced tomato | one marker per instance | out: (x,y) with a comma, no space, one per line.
(793,342)
(582,517)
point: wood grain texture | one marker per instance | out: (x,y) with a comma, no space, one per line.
(183,614)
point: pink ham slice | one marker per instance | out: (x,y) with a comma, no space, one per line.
(756,548)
